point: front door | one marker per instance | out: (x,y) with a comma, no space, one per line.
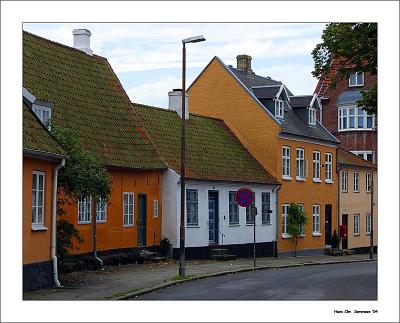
(345,222)
(213,217)
(328,224)
(141,221)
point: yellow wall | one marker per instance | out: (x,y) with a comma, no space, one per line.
(358,203)
(36,244)
(216,93)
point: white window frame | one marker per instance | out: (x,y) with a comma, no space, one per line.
(128,211)
(356,224)
(345,180)
(101,211)
(285,222)
(265,207)
(36,221)
(312,116)
(39,110)
(192,218)
(356,182)
(316,166)
(356,78)
(300,164)
(344,119)
(155,208)
(250,218)
(368,182)
(279,108)
(368,223)
(85,210)
(233,208)
(328,168)
(364,154)
(302,227)
(286,162)
(316,220)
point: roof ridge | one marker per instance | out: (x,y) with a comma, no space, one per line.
(62,45)
(263,77)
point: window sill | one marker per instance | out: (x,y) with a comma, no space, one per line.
(287,178)
(316,234)
(300,179)
(38,228)
(356,234)
(234,225)
(357,129)
(329,181)
(344,191)
(267,224)
(286,236)
(357,85)
(356,191)
(128,225)
(250,224)
(86,222)
(316,180)
(101,222)
(368,233)
(192,226)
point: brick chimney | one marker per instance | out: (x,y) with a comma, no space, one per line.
(175,102)
(244,63)
(82,40)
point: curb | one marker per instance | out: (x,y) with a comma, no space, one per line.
(146,290)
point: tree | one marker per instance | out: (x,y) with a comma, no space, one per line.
(297,219)
(353,48)
(83,175)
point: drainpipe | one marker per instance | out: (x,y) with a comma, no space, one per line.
(95,236)
(54,223)
(276,221)
(339,168)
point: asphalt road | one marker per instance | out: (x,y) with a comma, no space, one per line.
(351,281)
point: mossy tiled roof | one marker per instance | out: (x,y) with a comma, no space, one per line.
(36,137)
(88,97)
(212,150)
(348,158)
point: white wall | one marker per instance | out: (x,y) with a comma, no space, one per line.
(198,236)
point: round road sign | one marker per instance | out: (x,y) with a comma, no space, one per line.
(244,197)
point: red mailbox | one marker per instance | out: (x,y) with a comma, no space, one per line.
(343,231)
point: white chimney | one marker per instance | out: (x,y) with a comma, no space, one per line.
(82,40)
(175,102)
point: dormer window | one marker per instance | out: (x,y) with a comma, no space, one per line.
(356,79)
(312,116)
(278,108)
(42,112)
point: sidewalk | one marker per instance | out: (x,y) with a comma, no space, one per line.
(121,281)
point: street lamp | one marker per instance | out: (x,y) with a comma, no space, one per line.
(194,39)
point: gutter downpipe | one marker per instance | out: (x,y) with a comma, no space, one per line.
(276,221)
(339,168)
(54,224)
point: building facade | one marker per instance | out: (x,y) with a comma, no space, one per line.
(283,133)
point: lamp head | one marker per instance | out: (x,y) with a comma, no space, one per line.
(194,39)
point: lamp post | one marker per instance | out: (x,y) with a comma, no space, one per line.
(195,39)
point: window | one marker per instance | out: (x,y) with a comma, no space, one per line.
(316,220)
(129,202)
(42,112)
(155,208)
(368,182)
(356,224)
(249,214)
(356,181)
(366,154)
(312,116)
(233,209)
(266,208)
(192,208)
(328,167)
(344,180)
(101,211)
(37,198)
(356,79)
(279,108)
(85,210)
(286,162)
(285,222)
(368,223)
(300,163)
(316,166)
(301,226)
(353,118)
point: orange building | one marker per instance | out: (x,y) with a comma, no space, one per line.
(86,96)
(282,132)
(42,158)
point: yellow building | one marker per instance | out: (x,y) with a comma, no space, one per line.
(282,132)
(355,189)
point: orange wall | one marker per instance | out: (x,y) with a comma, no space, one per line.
(112,234)
(216,93)
(36,244)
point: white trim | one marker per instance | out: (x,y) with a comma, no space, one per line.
(356,215)
(35,207)
(100,202)
(155,209)
(358,182)
(311,141)
(357,85)
(314,234)
(287,178)
(28,95)
(316,169)
(317,180)
(283,87)
(316,225)
(286,157)
(38,227)
(84,211)
(344,179)
(286,236)
(128,214)
(300,172)
(279,108)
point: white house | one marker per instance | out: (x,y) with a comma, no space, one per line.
(217,166)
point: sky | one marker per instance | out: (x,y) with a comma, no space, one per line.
(147,57)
